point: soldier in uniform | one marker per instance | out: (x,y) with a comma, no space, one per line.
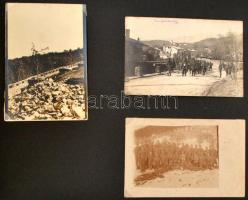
(188,156)
(142,158)
(169,67)
(221,65)
(156,156)
(213,158)
(182,157)
(146,157)
(204,68)
(184,69)
(169,155)
(210,65)
(202,158)
(165,152)
(193,67)
(150,156)
(233,70)
(229,67)
(173,155)
(199,66)
(196,160)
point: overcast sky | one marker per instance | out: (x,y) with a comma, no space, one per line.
(180,30)
(57,26)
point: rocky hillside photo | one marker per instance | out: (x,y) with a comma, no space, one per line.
(24,67)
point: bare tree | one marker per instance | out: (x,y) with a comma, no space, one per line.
(35,54)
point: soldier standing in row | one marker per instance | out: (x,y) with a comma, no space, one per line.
(170,156)
(233,70)
(171,65)
(210,66)
(221,65)
(184,68)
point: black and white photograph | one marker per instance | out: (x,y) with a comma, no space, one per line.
(183,57)
(46,62)
(184,157)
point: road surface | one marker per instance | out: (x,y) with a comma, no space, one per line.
(178,85)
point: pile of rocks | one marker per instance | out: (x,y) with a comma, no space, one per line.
(49,100)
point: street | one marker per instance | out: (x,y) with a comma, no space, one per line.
(178,85)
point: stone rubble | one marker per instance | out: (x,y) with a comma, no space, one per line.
(49,100)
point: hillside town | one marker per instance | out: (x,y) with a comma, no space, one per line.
(153,66)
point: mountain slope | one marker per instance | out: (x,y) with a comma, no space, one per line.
(156,43)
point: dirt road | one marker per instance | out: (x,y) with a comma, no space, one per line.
(178,85)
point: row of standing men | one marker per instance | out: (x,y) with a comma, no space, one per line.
(193,66)
(169,156)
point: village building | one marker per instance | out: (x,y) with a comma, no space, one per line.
(138,53)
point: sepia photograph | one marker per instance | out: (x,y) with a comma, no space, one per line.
(183,57)
(46,62)
(177,156)
(183,157)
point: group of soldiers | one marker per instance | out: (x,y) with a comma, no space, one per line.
(170,156)
(192,65)
(195,66)
(228,67)
(185,64)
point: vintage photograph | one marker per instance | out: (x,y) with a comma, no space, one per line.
(46,62)
(184,157)
(177,156)
(183,57)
